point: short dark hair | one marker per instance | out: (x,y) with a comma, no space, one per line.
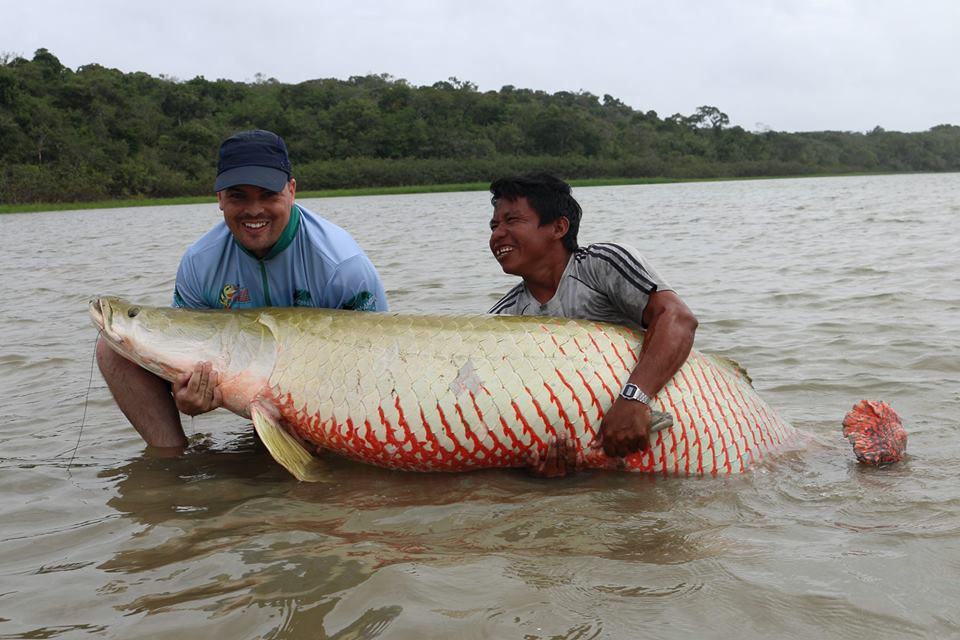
(548,195)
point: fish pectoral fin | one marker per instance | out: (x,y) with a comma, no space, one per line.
(285,449)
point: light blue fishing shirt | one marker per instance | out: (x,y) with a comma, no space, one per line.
(315,263)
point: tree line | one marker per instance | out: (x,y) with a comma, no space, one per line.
(97,133)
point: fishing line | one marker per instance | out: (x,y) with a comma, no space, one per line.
(86,401)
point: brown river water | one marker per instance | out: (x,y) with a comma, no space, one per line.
(827,290)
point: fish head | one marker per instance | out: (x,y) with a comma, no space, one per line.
(170,341)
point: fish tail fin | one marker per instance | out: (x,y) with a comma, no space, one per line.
(876,433)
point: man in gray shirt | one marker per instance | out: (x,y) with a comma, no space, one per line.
(533,234)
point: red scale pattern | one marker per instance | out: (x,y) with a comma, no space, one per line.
(719,427)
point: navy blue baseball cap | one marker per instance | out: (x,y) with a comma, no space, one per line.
(255,157)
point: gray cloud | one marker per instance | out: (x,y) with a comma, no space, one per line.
(793,65)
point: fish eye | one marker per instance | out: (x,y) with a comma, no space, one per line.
(133,312)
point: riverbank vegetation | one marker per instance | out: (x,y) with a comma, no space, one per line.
(96,134)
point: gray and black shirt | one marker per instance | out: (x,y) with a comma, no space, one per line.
(605,282)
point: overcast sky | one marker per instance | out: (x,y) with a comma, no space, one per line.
(786,65)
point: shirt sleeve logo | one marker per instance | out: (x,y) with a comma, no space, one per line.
(363,301)
(232,294)
(302,298)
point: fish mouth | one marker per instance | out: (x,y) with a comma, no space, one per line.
(97,313)
(101,313)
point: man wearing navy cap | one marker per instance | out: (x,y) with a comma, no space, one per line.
(268,251)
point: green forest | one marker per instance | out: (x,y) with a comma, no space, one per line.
(96,133)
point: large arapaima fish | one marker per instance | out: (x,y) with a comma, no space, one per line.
(456,393)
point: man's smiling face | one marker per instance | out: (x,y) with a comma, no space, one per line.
(256,216)
(517,240)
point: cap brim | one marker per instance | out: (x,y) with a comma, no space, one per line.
(263,177)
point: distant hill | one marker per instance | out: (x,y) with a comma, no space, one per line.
(97,133)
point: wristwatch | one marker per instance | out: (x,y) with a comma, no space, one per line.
(632,392)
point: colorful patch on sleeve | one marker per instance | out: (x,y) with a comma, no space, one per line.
(363,301)
(232,294)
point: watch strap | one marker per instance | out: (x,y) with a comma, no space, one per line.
(631,391)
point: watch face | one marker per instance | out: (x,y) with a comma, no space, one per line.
(632,392)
